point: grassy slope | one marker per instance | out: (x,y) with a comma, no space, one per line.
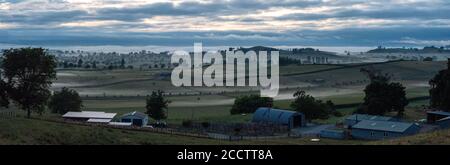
(32,131)
(432,138)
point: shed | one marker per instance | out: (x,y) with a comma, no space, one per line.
(434,116)
(375,130)
(288,118)
(89,116)
(355,118)
(136,118)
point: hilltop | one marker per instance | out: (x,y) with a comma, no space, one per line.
(427,49)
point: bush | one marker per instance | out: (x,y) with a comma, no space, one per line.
(249,104)
(187,123)
(205,124)
(337,114)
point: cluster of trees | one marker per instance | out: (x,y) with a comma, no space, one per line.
(283,61)
(249,104)
(440,89)
(312,108)
(79,64)
(26,76)
(382,96)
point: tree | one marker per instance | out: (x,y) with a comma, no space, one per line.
(440,89)
(4,101)
(249,104)
(122,63)
(80,63)
(382,96)
(308,105)
(94,64)
(157,105)
(428,59)
(28,73)
(64,101)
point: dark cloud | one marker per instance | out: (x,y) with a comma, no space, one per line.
(41,27)
(343,37)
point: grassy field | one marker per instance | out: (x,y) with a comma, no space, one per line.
(116,84)
(32,131)
(433,138)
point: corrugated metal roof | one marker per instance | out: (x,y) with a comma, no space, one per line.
(390,126)
(89,115)
(120,123)
(135,113)
(272,115)
(443,119)
(99,120)
(439,113)
(369,117)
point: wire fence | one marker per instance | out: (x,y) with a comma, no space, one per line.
(191,132)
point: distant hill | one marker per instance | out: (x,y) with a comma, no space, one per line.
(257,49)
(294,51)
(428,49)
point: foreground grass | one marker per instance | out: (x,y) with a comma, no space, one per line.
(438,137)
(32,131)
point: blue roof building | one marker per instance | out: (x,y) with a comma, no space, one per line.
(136,118)
(292,119)
(375,130)
(355,118)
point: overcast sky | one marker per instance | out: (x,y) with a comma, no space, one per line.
(225,22)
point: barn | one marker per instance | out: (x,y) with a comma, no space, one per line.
(89,116)
(288,118)
(355,118)
(375,130)
(434,116)
(136,118)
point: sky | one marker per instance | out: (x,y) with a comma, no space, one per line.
(225,22)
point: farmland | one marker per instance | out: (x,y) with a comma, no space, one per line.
(123,91)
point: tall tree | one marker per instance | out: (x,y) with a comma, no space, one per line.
(64,101)
(4,101)
(28,73)
(80,63)
(157,105)
(381,95)
(122,63)
(440,89)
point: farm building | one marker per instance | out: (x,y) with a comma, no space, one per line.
(375,130)
(355,118)
(444,122)
(434,116)
(288,118)
(333,134)
(90,116)
(136,118)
